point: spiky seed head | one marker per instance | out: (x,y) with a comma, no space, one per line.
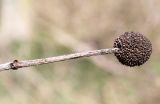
(134,49)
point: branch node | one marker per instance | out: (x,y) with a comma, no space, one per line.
(13,65)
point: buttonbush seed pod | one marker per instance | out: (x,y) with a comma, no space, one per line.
(134,49)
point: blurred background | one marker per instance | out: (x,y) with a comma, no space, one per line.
(32,29)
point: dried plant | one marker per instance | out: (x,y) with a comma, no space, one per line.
(131,49)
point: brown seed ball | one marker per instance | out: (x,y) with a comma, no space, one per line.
(135,49)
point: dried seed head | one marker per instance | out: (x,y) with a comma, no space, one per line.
(135,49)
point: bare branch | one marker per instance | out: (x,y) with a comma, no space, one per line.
(27,63)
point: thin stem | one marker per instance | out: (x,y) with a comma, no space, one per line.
(27,63)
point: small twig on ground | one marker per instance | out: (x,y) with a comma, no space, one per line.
(27,63)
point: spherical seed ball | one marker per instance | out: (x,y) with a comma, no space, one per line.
(134,49)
